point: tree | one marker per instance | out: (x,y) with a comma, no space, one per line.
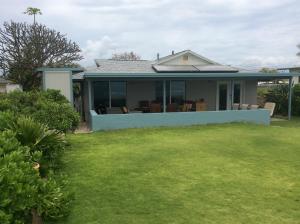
(126,56)
(268,70)
(24,48)
(33,11)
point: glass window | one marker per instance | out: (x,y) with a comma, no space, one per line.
(159,91)
(237,93)
(101,94)
(178,92)
(222,96)
(118,94)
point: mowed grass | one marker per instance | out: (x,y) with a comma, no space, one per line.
(233,173)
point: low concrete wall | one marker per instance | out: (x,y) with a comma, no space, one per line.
(143,120)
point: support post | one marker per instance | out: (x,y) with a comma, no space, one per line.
(231,94)
(90,94)
(164,96)
(290,99)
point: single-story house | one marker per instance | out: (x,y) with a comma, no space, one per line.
(182,88)
(7,86)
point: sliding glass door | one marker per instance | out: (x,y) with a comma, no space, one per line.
(229,93)
(223,96)
(109,94)
(175,92)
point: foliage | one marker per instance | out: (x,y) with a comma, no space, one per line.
(126,56)
(18,180)
(48,107)
(26,47)
(22,189)
(33,11)
(296,100)
(54,200)
(269,70)
(279,95)
(39,138)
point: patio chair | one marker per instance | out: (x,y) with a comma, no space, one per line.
(235,106)
(253,107)
(155,108)
(187,107)
(244,106)
(271,107)
(172,107)
(201,106)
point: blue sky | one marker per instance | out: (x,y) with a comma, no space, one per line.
(246,33)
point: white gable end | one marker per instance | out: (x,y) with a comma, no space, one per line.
(187,59)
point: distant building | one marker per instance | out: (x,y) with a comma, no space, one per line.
(7,86)
(291,70)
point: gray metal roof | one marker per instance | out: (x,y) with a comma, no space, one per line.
(114,66)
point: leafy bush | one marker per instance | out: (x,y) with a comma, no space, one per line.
(22,189)
(39,138)
(279,95)
(296,100)
(48,107)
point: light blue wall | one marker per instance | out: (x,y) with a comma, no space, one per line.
(143,120)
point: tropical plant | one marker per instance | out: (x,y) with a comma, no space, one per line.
(33,11)
(37,136)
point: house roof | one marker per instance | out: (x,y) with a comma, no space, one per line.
(130,66)
(160,65)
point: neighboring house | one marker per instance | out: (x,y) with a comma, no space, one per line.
(7,86)
(291,70)
(180,82)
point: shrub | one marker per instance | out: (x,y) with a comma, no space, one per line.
(22,189)
(279,95)
(296,100)
(48,107)
(38,137)
(18,181)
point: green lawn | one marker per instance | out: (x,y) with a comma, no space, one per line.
(234,173)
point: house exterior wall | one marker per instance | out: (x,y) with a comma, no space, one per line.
(59,80)
(205,89)
(138,91)
(250,92)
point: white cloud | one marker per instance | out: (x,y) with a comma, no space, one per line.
(260,32)
(95,49)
